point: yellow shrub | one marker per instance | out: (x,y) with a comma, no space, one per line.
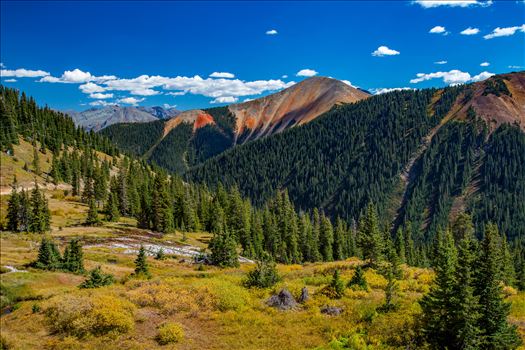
(170,332)
(83,315)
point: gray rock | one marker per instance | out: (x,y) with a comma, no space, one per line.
(282,301)
(331,310)
(304,295)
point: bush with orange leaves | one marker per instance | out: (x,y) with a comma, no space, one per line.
(82,315)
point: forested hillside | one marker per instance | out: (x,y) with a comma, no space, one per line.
(419,155)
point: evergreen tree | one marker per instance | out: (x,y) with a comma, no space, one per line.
(224,250)
(326,239)
(73,259)
(370,237)
(336,288)
(36,160)
(13,208)
(161,209)
(264,275)
(340,252)
(40,215)
(390,293)
(358,280)
(48,255)
(496,332)
(400,245)
(97,279)
(92,218)
(111,208)
(410,253)
(437,305)
(141,264)
(160,254)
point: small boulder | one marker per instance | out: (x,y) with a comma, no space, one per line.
(331,310)
(282,301)
(304,295)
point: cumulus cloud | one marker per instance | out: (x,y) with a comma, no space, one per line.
(452,3)
(438,30)
(284,76)
(507,31)
(452,77)
(90,88)
(440,62)
(379,91)
(347,82)
(168,106)
(177,93)
(222,75)
(384,51)
(470,31)
(10,80)
(76,76)
(130,100)
(516,67)
(23,73)
(2,65)
(306,73)
(101,103)
(271,32)
(225,99)
(100,96)
(484,64)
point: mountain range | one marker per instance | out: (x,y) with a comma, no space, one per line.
(98,118)
(421,156)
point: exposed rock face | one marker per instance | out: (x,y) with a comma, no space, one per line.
(197,117)
(331,310)
(304,295)
(495,110)
(282,301)
(296,105)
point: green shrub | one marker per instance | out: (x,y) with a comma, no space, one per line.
(263,276)
(97,279)
(170,332)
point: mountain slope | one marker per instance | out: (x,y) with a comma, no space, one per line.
(362,152)
(99,118)
(214,130)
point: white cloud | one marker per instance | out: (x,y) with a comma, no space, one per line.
(452,77)
(507,31)
(516,67)
(452,3)
(225,99)
(379,91)
(222,75)
(347,82)
(168,106)
(470,31)
(130,100)
(440,62)
(306,73)
(247,100)
(271,32)
(23,73)
(284,76)
(177,93)
(100,96)
(10,80)
(384,51)
(482,76)
(144,92)
(77,76)
(90,88)
(102,103)
(484,64)
(438,30)
(2,65)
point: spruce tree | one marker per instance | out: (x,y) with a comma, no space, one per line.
(97,279)
(224,250)
(36,160)
(339,239)
(92,218)
(437,318)
(13,208)
(358,280)
(48,256)
(370,237)
(73,259)
(141,264)
(326,239)
(111,208)
(496,332)
(390,293)
(400,245)
(336,287)
(40,215)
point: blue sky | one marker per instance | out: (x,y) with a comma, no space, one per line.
(73,55)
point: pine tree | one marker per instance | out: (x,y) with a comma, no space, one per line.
(390,293)
(410,254)
(92,218)
(141,264)
(337,287)
(339,239)
(358,280)
(161,209)
(40,215)
(465,309)
(111,208)
(326,239)
(73,259)
(507,264)
(437,305)
(97,279)
(25,213)
(224,250)
(36,160)
(13,208)
(264,275)
(370,237)
(48,255)
(496,332)
(160,254)
(400,245)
